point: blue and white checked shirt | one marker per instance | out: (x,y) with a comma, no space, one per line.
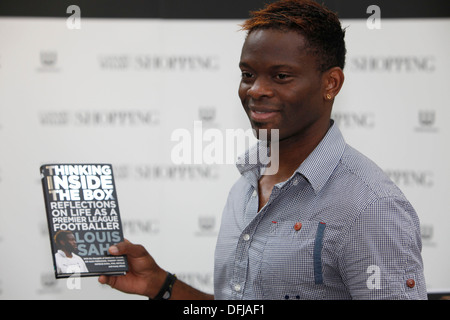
(359,237)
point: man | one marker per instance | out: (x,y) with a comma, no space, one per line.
(66,259)
(328,224)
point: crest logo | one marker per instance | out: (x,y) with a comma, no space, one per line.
(48,58)
(48,284)
(427,121)
(48,61)
(206,225)
(427,118)
(207,113)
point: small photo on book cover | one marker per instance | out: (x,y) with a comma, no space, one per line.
(83,219)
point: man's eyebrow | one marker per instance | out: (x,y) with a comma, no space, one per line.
(273,67)
(244,64)
(282,66)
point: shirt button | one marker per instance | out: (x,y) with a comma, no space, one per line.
(246,237)
(297,226)
(237,287)
(410,283)
(295,182)
(254,193)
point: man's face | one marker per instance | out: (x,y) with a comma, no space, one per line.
(281,87)
(70,243)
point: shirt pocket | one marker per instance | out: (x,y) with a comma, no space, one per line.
(292,261)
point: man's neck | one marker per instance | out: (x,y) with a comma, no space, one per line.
(67,253)
(291,154)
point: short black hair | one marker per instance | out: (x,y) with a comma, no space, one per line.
(61,235)
(320,27)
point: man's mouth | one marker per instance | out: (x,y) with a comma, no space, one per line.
(262,115)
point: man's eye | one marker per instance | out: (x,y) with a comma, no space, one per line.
(246,75)
(282,76)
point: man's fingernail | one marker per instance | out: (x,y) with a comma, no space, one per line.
(114,250)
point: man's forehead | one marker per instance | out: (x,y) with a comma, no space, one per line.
(276,43)
(277,35)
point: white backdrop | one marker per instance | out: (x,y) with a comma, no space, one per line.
(115,90)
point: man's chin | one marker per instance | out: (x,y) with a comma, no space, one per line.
(265,133)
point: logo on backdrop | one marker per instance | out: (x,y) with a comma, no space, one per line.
(137,227)
(426,121)
(165,172)
(48,61)
(427,233)
(206,225)
(208,115)
(154,62)
(411,178)
(351,119)
(49,284)
(393,64)
(175,172)
(100,118)
(201,281)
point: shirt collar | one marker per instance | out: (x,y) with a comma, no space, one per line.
(62,253)
(320,164)
(317,167)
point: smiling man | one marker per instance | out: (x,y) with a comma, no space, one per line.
(284,88)
(328,224)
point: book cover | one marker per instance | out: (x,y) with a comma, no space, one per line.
(83,219)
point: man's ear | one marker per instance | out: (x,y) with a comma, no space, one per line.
(333,81)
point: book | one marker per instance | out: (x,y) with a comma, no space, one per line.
(83,219)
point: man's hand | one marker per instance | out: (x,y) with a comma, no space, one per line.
(144,277)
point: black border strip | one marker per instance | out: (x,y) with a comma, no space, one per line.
(213,9)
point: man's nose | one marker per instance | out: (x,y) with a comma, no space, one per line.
(260,88)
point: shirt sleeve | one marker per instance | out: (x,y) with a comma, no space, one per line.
(380,257)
